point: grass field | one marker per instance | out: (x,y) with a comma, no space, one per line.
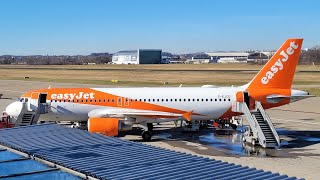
(155,75)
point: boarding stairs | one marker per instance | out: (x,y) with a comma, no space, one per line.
(261,129)
(30,116)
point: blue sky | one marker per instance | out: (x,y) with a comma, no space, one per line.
(84,26)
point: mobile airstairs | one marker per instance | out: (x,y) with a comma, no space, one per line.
(31,110)
(260,129)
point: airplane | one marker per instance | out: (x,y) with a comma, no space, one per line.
(113,110)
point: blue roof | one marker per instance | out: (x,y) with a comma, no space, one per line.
(112,158)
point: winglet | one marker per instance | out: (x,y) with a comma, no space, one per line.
(187,115)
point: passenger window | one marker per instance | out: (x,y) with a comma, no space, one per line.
(215,99)
(206,99)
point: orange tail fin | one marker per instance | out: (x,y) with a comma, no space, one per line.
(279,70)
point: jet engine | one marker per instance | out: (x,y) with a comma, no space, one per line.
(107,126)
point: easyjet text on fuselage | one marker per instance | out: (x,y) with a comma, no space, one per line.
(72,96)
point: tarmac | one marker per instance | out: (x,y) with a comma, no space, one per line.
(298,125)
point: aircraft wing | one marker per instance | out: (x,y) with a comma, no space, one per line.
(132,113)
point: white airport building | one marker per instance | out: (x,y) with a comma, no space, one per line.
(140,56)
(229,57)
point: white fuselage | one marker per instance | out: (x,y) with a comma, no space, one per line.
(209,103)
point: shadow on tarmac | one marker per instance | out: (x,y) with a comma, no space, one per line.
(228,141)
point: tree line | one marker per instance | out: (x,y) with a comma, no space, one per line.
(307,57)
(95,58)
(311,56)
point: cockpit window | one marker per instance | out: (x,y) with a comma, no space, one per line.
(22,99)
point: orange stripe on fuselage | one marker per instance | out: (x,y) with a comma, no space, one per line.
(92,97)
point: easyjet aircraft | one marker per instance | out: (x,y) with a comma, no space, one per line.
(110,110)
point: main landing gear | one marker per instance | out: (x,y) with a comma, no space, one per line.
(147,132)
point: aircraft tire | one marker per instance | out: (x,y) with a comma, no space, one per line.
(146,135)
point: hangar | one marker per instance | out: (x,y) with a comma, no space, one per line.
(229,57)
(240,57)
(260,57)
(140,56)
(199,58)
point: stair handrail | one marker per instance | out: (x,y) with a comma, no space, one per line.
(254,125)
(266,117)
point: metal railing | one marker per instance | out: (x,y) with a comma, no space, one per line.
(268,120)
(255,127)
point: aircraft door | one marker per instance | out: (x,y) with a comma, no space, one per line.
(119,101)
(38,100)
(43,107)
(126,101)
(123,101)
(246,98)
(34,102)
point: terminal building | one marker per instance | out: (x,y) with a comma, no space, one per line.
(232,57)
(140,56)
(229,57)
(199,58)
(260,57)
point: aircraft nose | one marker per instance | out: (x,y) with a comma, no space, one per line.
(14,109)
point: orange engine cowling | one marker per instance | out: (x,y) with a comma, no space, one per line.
(107,126)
